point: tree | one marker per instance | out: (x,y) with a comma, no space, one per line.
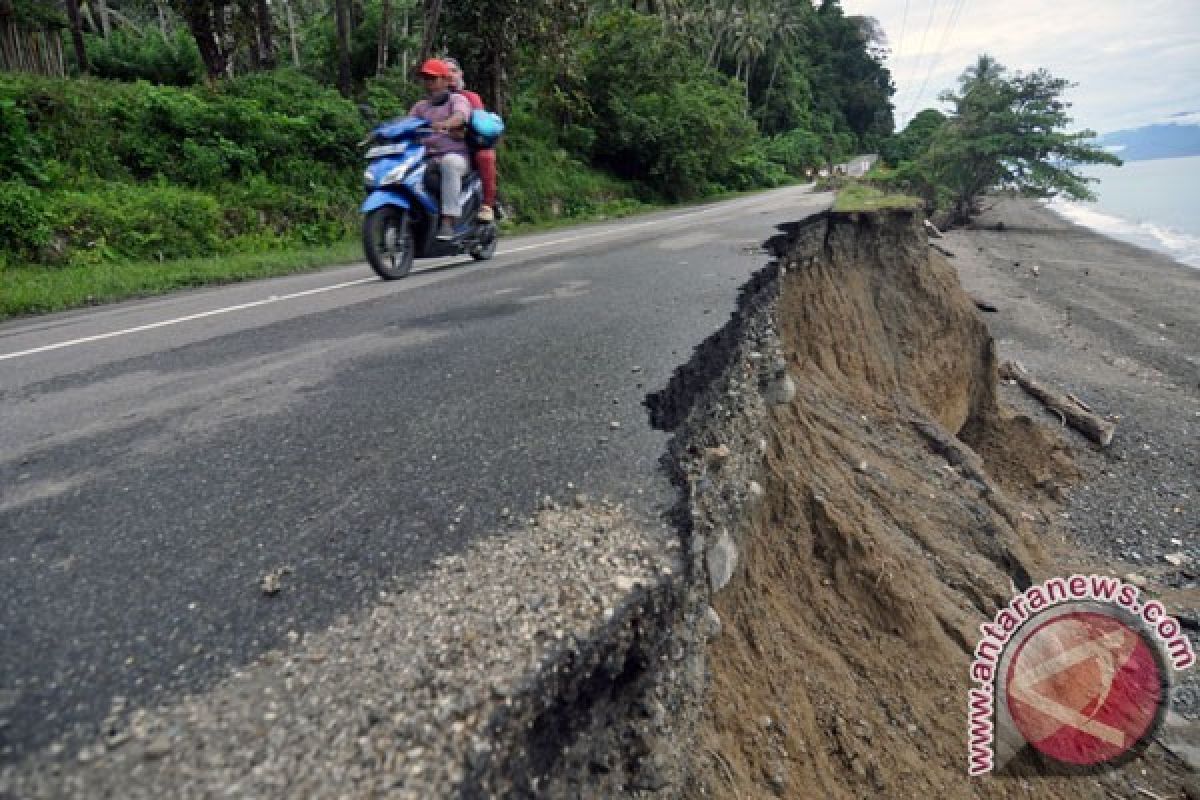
(206,20)
(489,38)
(433,13)
(293,39)
(266,37)
(914,140)
(385,36)
(1006,132)
(76,25)
(676,134)
(341,11)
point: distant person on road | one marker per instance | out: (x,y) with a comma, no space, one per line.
(485,159)
(447,113)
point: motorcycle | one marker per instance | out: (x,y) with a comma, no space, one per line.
(402,207)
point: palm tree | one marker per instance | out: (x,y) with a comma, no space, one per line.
(785,29)
(720,25)
(750,34)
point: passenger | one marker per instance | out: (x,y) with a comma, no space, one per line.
(485,159)
(447,114)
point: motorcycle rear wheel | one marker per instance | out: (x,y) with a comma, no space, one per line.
(388,242)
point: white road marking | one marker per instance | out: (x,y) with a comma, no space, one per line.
(687,241)
(294,295)
(622,229)
(177,320)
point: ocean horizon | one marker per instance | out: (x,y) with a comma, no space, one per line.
(1147,203)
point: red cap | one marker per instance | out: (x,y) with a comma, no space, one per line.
(435,67)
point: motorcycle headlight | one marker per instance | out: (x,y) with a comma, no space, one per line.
(395,174)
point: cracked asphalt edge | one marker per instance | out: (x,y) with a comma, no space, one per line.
(413,699)
(566,658)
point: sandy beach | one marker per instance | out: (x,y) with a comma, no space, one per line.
(1119,328)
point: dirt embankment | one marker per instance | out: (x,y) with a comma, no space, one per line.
(903,507)
(854,502)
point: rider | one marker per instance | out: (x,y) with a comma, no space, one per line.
(485,159)
(447,114)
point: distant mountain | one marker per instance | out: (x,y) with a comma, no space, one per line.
(1153,141)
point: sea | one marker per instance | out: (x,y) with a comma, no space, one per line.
(1148,203)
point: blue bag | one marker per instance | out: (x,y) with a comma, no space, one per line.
(484,129)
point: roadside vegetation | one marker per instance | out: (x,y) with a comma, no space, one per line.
(167,144)
(1003,132)
(863,197)
(147,144)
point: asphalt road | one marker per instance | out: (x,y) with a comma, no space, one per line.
(157,458)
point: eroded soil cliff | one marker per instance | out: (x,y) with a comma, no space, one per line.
(902,508)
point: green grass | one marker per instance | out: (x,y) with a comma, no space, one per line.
(859,197)
(39,289)
(27,289)
(36,289)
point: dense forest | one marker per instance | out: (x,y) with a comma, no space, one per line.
(159,129)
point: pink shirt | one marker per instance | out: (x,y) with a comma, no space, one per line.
(440,143)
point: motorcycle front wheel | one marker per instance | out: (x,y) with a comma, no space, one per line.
(388,242)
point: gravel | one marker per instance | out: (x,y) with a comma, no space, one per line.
(422,697)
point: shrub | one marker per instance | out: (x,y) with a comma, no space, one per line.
(126,55)
(267,215)
(795,151)
(657,114)
(20,154)
(267,123)
(296,116)
(752,168)
(390,95)
(137,222)
(540,181)
(24,220)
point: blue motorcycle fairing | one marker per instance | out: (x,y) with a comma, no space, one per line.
(397,128)
(413,182)
(380,167)
(384,197)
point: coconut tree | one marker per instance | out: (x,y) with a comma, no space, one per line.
(785,29)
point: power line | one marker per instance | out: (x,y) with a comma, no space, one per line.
(925,35)
(951,23)
(903,30)
(900,41)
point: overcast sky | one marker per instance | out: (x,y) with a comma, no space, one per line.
(1136,62)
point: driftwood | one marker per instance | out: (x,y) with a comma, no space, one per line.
(1072,412)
